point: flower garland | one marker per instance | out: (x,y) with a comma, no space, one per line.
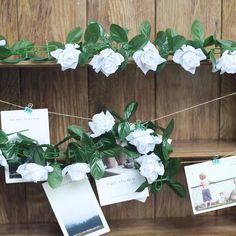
(144,145)
(110,51)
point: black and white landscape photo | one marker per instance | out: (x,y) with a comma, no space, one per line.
(76,208)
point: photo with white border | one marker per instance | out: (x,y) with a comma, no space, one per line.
(212,184)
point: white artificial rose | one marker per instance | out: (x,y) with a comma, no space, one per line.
(189,58)
(148,58)
(226,63)
(150,167)
(3,42)
(76,171)
(3,161)
(34,172)
(68,58)
(107,61)
(101,123)
(143,140)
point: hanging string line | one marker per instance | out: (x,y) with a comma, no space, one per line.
(158,118)
(50,112)
(195,106)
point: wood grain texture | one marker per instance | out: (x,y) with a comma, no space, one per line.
(228,19)
(180,14)
(8,27)
(127,13)
(115,93)
(51,21)
(185,226)
(177,89)
(228,109)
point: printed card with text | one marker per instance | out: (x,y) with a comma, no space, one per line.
(34,125)
(76,208)
(120,183)
(212,185)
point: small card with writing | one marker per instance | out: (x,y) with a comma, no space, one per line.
(120,183)
(35,125)
(76,208)
(212,184)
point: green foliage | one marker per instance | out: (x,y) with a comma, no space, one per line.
(118,34)
(145,28)
(92,33)
(197,31)
(97,167)
(130,109)
(178,188)
(74,35)
(55,177)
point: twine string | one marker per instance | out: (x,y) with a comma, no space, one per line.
(155,119)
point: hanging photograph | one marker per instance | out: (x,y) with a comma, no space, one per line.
(212,184)
(120,182)
(76,208)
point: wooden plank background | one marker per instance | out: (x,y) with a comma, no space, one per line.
(83,92)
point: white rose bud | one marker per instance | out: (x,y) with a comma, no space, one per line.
(68,57)
(101,123)
(107,61)
(143,140)
(226,63)
(148,58)
(151,167)
(76,171)
(189,58)
(34,172)
(3,161)
(3,42)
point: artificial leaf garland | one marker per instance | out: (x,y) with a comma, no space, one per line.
(110,51)
(145,145)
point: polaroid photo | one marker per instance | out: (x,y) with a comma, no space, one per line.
(212,185)
(76,208)
(37,126)
(120,182)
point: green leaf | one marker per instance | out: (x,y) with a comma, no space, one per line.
(197,31)
(74,35)
(178,188)
(138,42)
(20,47)
(102,31)
(156,186)
(25,138)
(52,46)
(97,167)
(161,38)
(84,58)
(37,155)
(145,28)
(4,53)
(13,60)
(130,109)
(209,41)
(75,131)
(111,152)
(9,150)
(130,151)
(118,33)
(212,57)
(123,130)
(178,42)
(87,145)
(92,33)
(3,137)
(142,186)
(52,152)
(161,66)
(168,130)
(173,167)
(55,177)
(37,58)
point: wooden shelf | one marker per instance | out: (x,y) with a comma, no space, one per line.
(201,149)
(184,226)
(25,64)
